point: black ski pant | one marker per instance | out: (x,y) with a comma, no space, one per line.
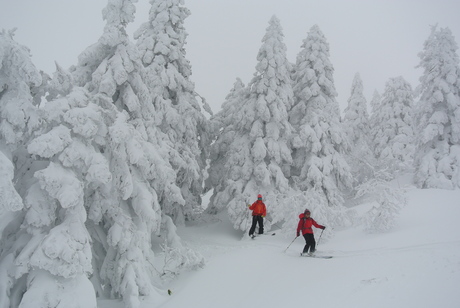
(257,220)
(310,242)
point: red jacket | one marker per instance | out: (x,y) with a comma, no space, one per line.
(258,208)
(305,224)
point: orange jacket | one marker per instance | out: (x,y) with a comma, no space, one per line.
(258,208)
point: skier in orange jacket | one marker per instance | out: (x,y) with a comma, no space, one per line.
(259,211)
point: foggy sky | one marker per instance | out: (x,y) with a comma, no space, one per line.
(380,39)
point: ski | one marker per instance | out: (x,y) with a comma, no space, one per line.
(315,256)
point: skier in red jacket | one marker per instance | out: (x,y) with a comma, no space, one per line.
(259,211)
(305,225)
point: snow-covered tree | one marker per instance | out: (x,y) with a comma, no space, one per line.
(67,145)
(356,127)
(375,104)
(93,195)
(18,76)
(125,213)
(392,132)
(225,126)
(437,160)
(60,85)
(18,122)
(257,145)
(41,256)
(320,144)
(161,42)
(390,200)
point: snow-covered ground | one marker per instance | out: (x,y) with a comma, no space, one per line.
(417,264)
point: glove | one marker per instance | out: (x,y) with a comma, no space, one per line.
(263,216)
(249,205)
(298,234)
(324,228)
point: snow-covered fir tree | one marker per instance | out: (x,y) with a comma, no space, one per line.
(60,85)
(356,127)
(437,161)
(16,109)
(225,126)
(375,104)
(392,132)
(93,198)
(127,211)
(45,246)
(390,200)
(319,167)
(18,76)
(161,42)
(44,250)
(258,155)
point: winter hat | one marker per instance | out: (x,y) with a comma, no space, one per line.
(259,196)
(306,211)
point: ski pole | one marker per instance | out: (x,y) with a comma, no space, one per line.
(320,237)
(290,244)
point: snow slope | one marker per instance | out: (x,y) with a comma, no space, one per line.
(417,264)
